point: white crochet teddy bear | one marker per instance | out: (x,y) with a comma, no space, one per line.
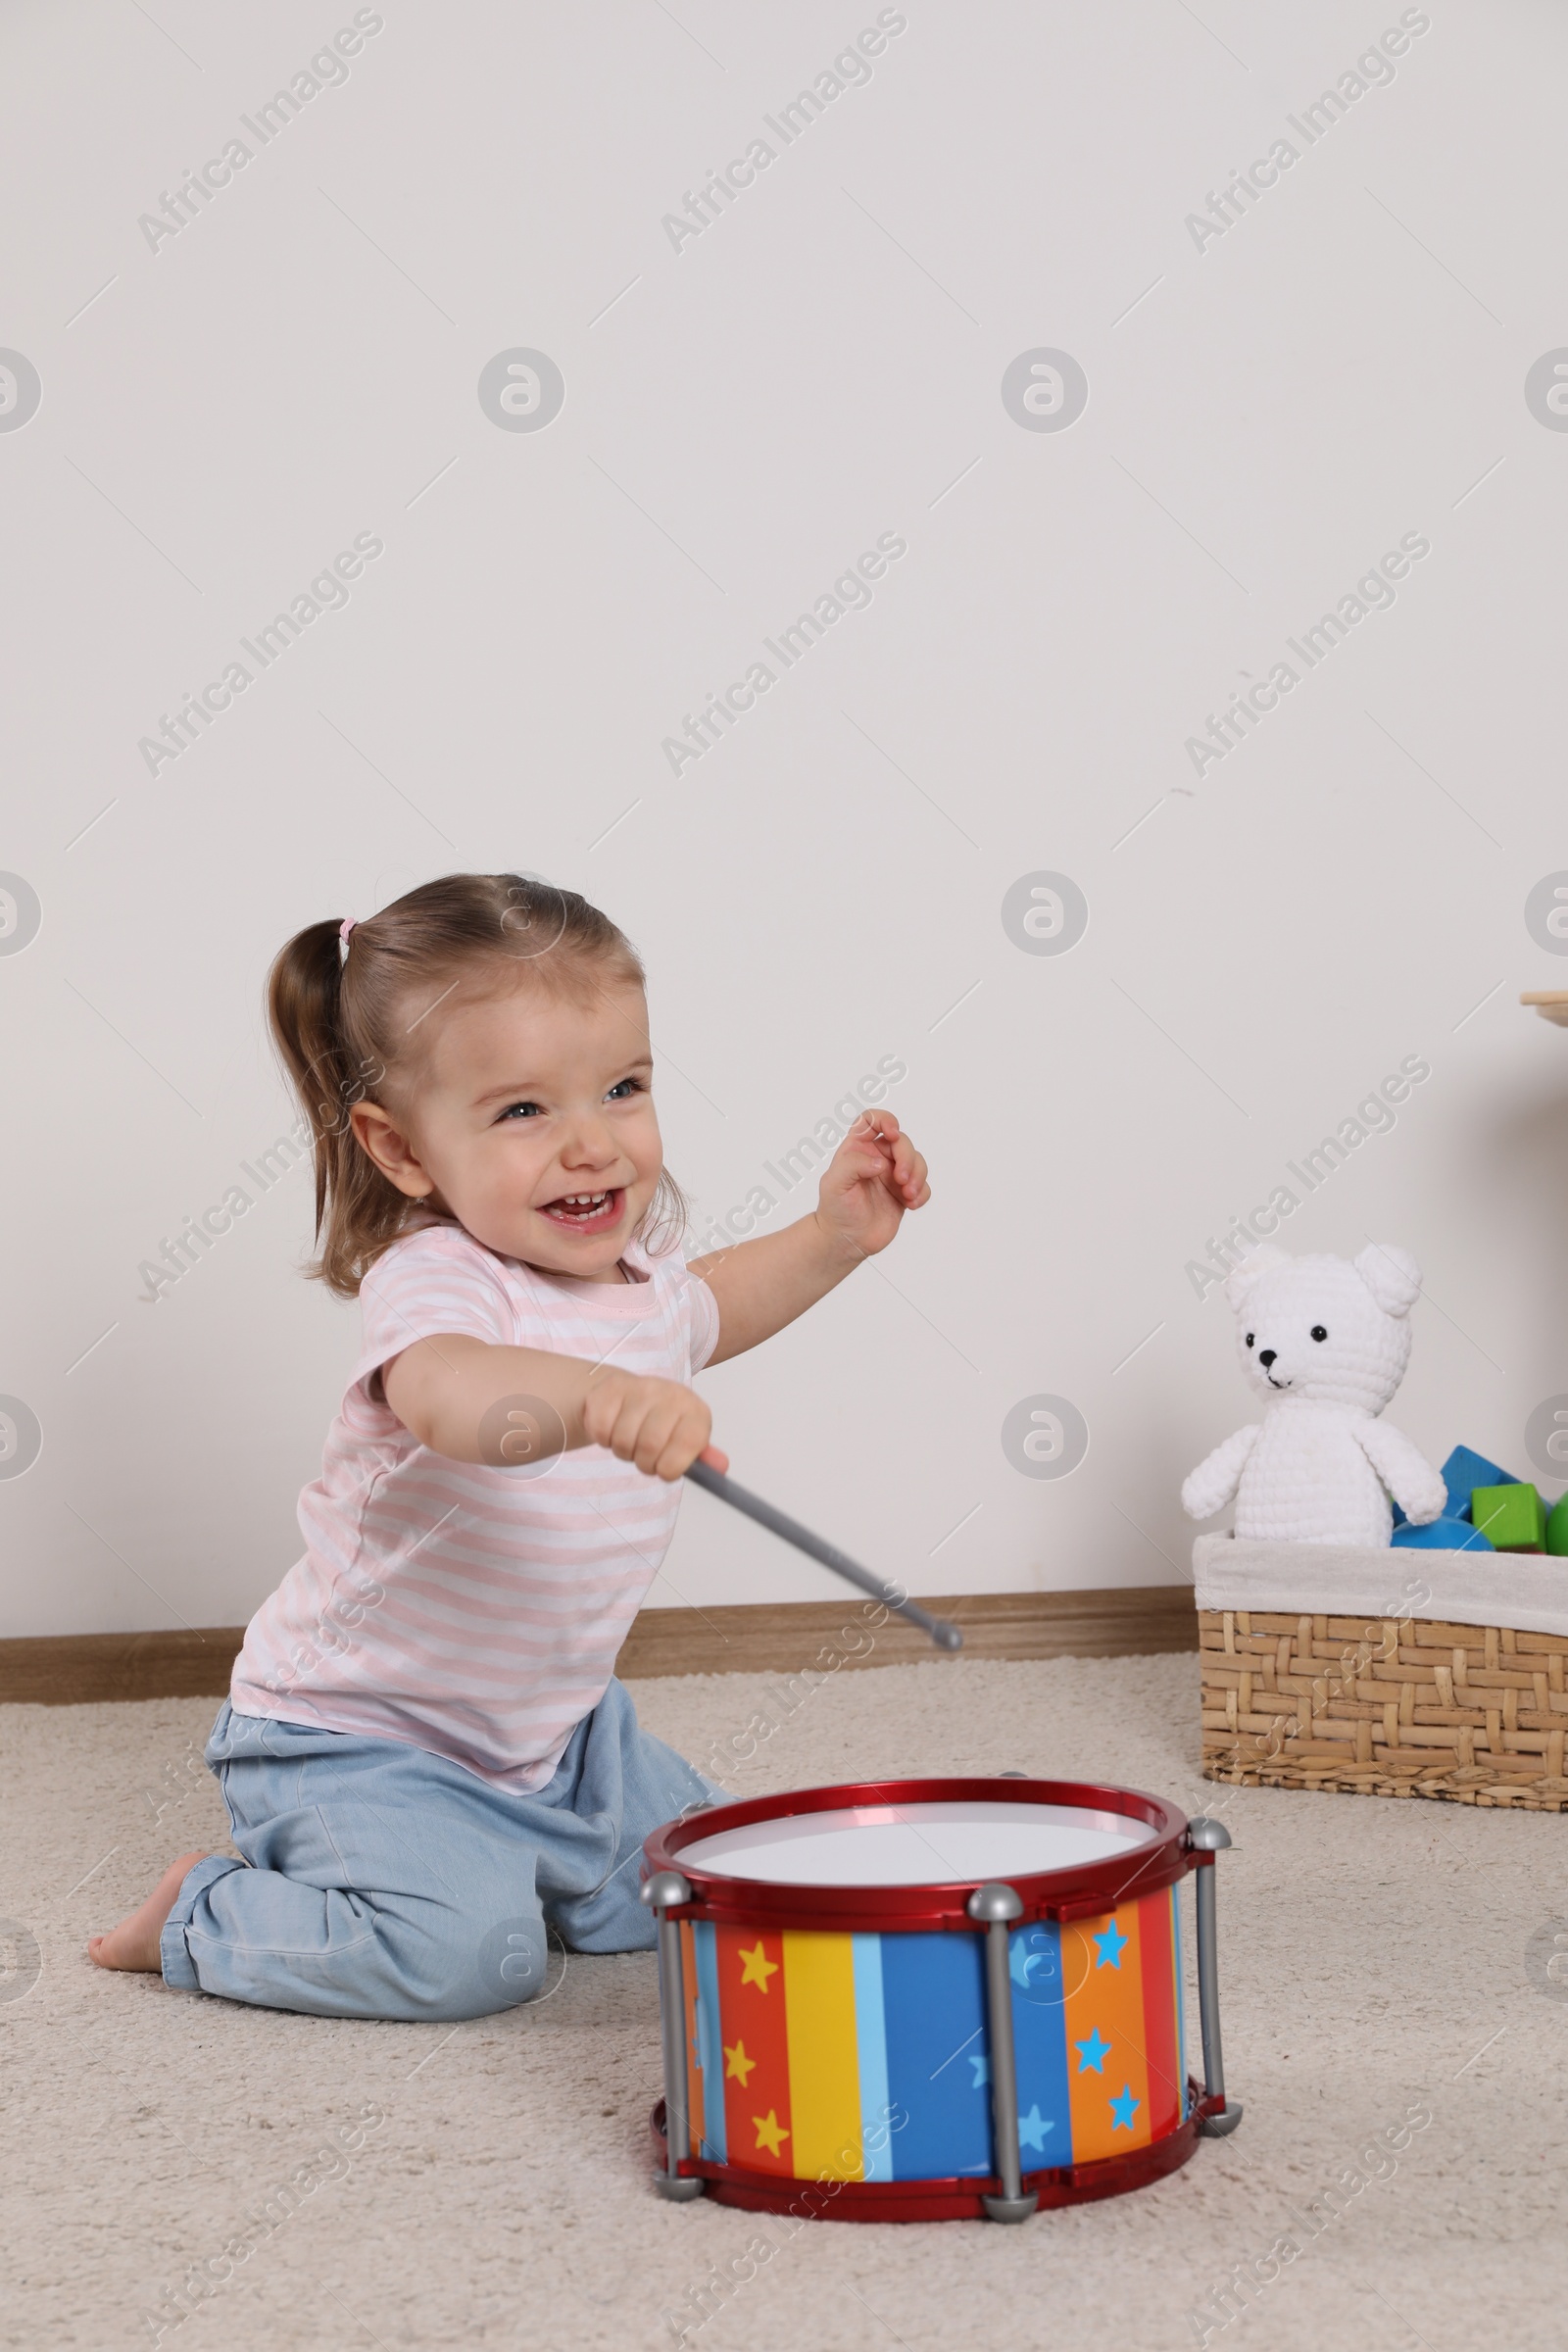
(1325,1342)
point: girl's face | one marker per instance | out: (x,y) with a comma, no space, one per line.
(532,1124)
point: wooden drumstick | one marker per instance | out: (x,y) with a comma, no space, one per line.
(741,1498)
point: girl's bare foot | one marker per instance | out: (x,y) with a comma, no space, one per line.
(134,1943)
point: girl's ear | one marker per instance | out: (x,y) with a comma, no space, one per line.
(383,1141)
(1239,1284)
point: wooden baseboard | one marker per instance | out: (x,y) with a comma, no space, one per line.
(785,1636)
(764,1636)
(59,1669)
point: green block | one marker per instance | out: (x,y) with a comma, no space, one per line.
(1512,1518)
(1557,1526)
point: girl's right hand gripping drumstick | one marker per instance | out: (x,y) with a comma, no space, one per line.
(740,1499)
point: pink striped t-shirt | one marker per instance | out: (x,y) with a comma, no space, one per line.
(476,1612)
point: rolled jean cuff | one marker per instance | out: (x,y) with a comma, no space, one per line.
(173,1953)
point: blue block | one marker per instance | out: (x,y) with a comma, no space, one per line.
(1398,1514)
(1445,1534)
(1464,1471)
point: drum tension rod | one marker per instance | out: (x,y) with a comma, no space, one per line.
(996,1906)
(1205,1838)
(661,1892)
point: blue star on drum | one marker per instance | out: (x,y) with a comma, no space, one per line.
(1035,1964)
(1109,1946)
(1093,2052)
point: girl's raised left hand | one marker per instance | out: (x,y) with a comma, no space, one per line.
(874,1176)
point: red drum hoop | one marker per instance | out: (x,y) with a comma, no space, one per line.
(935,2200)
(1080,1890)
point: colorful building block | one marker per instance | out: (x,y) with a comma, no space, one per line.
(1444,1535)
(1464,1471)
(1513,1517)
(1557,1526)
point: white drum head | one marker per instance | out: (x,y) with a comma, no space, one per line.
(917,1845)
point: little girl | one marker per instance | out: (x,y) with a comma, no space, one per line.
(426,1757)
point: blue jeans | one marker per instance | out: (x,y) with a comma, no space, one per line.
(386,1882)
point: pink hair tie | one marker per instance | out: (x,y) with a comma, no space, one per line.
(345,927)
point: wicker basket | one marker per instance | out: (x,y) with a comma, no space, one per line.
(1389,1707)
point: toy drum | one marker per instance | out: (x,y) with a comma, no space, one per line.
(931,1999)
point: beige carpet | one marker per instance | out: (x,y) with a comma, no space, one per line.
(1376,1959)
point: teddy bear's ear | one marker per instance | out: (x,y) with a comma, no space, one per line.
(1259,1261)
(1391,1275)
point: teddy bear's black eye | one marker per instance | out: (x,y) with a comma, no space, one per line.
(1319,1332)
(1249,1337)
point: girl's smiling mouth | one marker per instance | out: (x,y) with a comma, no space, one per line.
(587,1213)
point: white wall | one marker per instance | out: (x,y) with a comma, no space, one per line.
(743,417)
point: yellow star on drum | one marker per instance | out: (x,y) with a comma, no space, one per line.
(737,2063)
(770,2132)
(756,1966)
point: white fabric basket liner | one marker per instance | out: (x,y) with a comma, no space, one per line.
(1527,1591)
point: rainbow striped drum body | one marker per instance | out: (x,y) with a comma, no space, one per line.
(866,2057)
(834,2007)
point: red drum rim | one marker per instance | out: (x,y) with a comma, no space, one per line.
(951,2200)
(1079,1890)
